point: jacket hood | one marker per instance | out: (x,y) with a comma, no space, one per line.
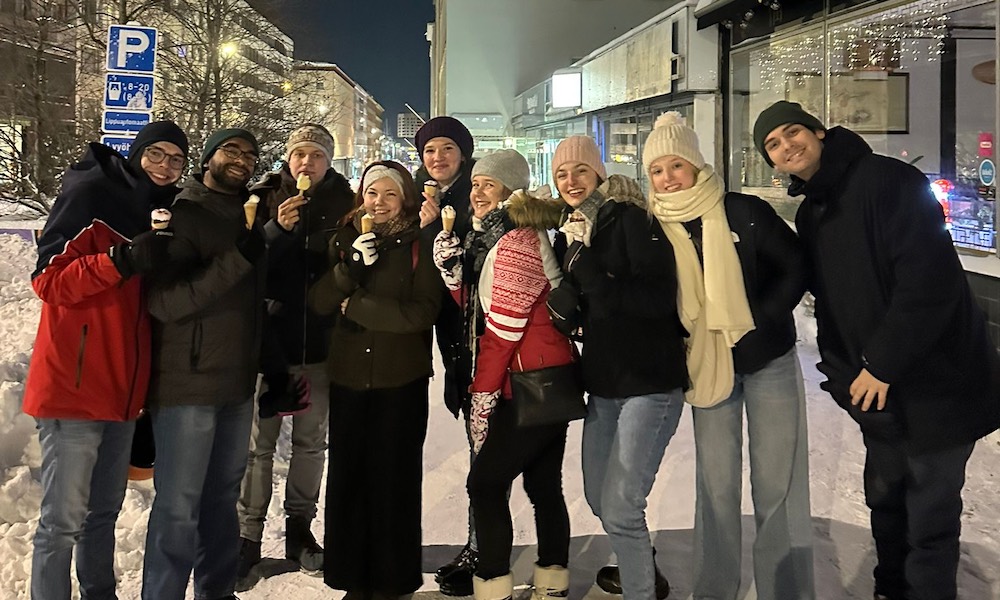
(841,148)
(101,162)
(526,210)
(332,185)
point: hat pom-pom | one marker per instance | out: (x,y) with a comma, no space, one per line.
(669,118)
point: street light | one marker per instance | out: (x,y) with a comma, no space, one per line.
(228,49)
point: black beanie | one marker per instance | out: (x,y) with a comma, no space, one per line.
(157,131)
(778,114)
(221,136)
(448,127)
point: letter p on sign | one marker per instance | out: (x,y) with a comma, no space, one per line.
(131,48)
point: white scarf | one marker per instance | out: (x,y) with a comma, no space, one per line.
(712,304)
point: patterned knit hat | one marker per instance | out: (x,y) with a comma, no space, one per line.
(310,134)
(446,127)
(506,166)
(579,149)
(672,137)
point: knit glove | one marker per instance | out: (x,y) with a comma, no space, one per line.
(364,249)
(285,395)
(483,404)
(143,255)
(448,252)
(578,228)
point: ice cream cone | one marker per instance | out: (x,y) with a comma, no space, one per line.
(303,183)
(250,210)
(448,218)
(160,218)
(366,223)
(431,188)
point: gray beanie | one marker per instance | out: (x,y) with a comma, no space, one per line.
(778,114)
(506,166)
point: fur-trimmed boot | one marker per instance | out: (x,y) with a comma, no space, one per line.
(497,588)
(550,582)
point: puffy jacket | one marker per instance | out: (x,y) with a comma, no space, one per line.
(91,358)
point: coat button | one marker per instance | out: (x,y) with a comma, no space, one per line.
(368,350)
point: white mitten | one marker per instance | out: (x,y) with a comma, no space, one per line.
(365,250)
(483,404)
(448,253)
(577,228)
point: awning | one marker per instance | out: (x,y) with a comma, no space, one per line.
(712,12)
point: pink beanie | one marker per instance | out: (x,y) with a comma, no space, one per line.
(579,149)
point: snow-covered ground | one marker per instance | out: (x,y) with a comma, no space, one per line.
(844,555)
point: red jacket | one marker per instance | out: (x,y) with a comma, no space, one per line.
(519,332)
(92,352)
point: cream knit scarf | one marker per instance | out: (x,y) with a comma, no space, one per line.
(713,304)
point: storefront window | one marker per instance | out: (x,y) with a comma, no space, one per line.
(910,78)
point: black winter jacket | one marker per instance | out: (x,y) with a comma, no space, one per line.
(632,337)
(774,276)
(208,307)
(892,297)
(297,258)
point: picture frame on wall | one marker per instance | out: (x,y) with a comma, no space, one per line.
(863,101)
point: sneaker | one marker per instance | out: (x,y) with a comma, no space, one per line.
(464,558)
(301,546)
(249,556)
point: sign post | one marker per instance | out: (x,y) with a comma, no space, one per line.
(129,85)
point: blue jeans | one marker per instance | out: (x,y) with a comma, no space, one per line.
(201,454)
(84,473)
(623,444)
(774,399)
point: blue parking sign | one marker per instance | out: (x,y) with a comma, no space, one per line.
(129,92)
(131,48)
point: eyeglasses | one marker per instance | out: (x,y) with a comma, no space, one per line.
(236,154)
(156,156)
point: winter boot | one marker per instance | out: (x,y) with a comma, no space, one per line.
(301,546)
(498,588)
(465,558)
(550,582)
(249,556)
(458,580)
(609,580)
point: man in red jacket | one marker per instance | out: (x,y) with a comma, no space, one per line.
(90,367)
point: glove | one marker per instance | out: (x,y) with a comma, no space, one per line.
(577,228)
(483,404)
(251,245)
(285,395)
(448,252)
(563,304)
(143,255)
(364,249)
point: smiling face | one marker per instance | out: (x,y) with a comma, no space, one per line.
(230,174)
(576,181)
(671,174)
(383,200)
(795,149)
(308,160)
(171,164)
(443,159)
(487,193)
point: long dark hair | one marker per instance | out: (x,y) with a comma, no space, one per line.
(411,202)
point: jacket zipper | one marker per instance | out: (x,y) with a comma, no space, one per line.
(79,356)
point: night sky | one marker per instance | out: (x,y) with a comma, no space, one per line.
(379,43)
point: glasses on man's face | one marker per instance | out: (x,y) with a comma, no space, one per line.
(236,154)
(156,156)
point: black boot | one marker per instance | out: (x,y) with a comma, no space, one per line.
(609,580)
(455,578)
(249,556)
(301,546)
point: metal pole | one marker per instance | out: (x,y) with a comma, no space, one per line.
(415,113)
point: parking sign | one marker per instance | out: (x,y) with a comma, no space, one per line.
(130,92)
(131,48)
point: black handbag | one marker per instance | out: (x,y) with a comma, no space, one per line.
(548,396)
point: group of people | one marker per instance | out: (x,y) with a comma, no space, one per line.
(323,307)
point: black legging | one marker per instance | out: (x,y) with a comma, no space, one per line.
(509,451)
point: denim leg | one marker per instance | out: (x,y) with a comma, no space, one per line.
(95,561)
(200,450)
(255,490)
(305,468)
(779,480)
(72,450)
(644,427)
(599,430)
(717,550)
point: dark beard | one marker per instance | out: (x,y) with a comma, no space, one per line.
(223,179)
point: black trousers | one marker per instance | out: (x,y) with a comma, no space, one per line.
(537,453)
(916,506)
(372,536)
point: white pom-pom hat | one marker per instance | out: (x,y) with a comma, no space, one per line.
(672,137)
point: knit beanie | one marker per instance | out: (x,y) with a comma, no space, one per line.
(157,131)
(310,134)
(506,166)
(781,113)
(672,137)
(447,127)
(220,137)
(582,149)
